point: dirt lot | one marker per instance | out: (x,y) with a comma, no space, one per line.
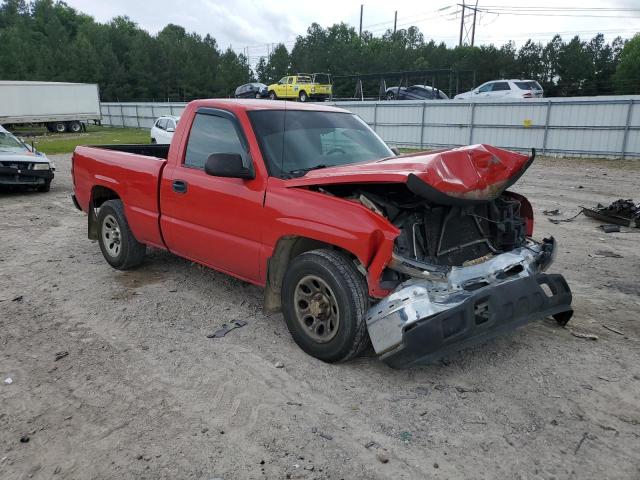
(144,394)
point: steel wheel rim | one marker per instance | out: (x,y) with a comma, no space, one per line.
(316,308)
(60,128)
(111,237)
(75,127)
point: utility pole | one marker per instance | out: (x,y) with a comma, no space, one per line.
(468,35)
(395,22)
(361,10)
(461,23)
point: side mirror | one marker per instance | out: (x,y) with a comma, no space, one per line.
(396,151)
(227,165)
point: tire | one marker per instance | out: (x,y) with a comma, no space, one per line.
(59,127)
(272,95)
(303,97)
(45,188)
(391,96)
(258,96)
(153,141)
(347,298)
(112,225)
(74,126)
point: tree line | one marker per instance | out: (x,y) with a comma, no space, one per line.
(48,40)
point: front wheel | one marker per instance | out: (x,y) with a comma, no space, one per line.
(324,303)
(46,187)
(303,96)
(118,245)
(272,95)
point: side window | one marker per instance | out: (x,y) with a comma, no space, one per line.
(290,80)
(485,88)
(171,125)
(162,124)
(499,86)
(211,134)
(283,80)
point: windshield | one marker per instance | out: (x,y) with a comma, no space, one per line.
(9,143)
(295,141)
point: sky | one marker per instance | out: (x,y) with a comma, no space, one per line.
(252,27)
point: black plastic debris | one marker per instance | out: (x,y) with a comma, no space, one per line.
(610,228)
(226,328)
(551,213)
(621,212)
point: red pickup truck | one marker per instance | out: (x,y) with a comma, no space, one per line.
(419,254)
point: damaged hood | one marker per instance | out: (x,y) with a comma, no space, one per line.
(475,172)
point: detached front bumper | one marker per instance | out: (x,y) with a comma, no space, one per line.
(425,320)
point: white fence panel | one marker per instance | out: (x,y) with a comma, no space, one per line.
(580,126)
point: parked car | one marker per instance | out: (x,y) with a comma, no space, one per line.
(497,89)
(21,165)
(163,129)
(415,92)
(422,254)
(252,90)
(302,87)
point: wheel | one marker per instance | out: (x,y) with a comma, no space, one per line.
(59,127)
(324,303)
(258,95)
(272,95)
(153,140)
(74,126)
(303,96)
(391,96)
(118,245)
(45,188)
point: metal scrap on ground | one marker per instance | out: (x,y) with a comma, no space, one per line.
(226,328)
(621,212)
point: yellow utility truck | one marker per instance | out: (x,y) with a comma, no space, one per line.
(302,87)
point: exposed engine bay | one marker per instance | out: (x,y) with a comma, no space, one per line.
(436,236)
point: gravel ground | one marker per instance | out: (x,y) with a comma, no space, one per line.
(144,394)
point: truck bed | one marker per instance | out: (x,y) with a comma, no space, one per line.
(133,172)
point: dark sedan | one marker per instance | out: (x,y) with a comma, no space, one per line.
(415,92)
(252,90)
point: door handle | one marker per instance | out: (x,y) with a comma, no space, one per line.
(179,186)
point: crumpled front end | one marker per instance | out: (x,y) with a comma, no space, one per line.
(452,308)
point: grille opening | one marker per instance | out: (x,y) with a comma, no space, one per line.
(481,312)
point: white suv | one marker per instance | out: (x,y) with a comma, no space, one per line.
(163,128)
(507,89)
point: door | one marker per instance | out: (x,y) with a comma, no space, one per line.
(281,87)
(485,90)
(290,88)
(500,89)
(213,220)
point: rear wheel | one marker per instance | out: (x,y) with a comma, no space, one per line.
(258,95)
(59,127)
(74,126)
(303,96)
(391,96)
(118,245)
(324,302)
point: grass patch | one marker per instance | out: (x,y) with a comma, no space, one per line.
(53,143)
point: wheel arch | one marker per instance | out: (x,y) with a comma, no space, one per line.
(286,249)
(99,195)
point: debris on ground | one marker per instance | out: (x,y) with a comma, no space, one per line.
(586,336)
(17,299)
(610,228)
(278,365)
(372,444)
(606,254)
(566,220)
(326,436)
(621,212)
(551,213)
(611,329)
(24,439)
(61,355)
(226,328)
(8,381)
(382,457)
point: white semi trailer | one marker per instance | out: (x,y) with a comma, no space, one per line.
(61,107)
